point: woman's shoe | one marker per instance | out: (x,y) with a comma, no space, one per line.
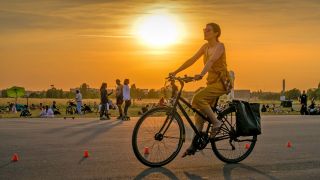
(215,130)
(188,152)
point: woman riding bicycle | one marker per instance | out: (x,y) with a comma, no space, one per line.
(216,67)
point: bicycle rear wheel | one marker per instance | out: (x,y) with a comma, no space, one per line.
(151,145)
(229,147)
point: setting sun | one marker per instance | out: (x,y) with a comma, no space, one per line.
(158,30)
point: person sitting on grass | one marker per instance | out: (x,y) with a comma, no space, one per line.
(144,109)
(46,112)
(54,108)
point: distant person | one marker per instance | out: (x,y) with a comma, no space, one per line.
(161,102)
(50,112)
(273,108)
(104,102)
(119,97)
(268,108)
(144,109)
(14,108)
(40,106)
(79,101)
(126,98)
(263,109)
(10,106)
(43,112)
(54,108)
(304,102)
(46,112)
(33,107)
(86,109)
(312,107)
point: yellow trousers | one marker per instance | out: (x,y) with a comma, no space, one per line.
(206,97)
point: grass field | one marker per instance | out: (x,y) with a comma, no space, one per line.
(133,110)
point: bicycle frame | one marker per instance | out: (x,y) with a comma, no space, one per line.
(178,104)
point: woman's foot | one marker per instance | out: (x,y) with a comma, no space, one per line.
(188,152)
(215,129)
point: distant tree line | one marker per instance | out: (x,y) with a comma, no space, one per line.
(292,94)
(90,93)
(137,93)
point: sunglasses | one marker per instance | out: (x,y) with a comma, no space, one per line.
(206,30)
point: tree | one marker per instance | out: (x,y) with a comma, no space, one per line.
(54,92)
(313,93)
(153,94)
(293,93)
(4,93)
(84,90)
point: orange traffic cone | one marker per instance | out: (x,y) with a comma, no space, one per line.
(146,150)
(289,145)
(86,154)
(247,146)
(15,157)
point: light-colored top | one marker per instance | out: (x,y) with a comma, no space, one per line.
(119,90)
(78,97)
(50,112)
(126,92)
(218,69)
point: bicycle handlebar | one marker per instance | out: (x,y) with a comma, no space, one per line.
(185,79)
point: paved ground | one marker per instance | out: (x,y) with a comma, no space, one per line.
(53,149)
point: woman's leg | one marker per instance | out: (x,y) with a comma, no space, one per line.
(208,111)
(102,110)
(126,107)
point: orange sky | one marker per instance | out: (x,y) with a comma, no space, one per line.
(66,43)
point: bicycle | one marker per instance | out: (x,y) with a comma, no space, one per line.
(160,133)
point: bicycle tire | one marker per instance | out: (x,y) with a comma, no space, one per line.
(148,116)
(245,149)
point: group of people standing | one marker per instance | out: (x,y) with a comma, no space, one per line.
(122,96)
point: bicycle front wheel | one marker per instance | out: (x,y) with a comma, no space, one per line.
(229,147)
(158,137)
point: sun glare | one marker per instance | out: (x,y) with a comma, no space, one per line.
(158,30)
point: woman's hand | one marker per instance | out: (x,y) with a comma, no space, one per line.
(198,77)
(172,74)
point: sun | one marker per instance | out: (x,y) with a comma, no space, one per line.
(158,30)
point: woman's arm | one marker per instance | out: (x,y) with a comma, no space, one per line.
(190,61)
(212,59)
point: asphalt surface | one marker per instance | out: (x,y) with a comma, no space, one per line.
(54,148)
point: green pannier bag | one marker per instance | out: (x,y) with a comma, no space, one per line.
(247,118)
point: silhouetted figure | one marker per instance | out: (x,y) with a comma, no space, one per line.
(304,102)
(119,97)
(104,102)
(126,98)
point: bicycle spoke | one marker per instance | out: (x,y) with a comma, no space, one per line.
(157,148)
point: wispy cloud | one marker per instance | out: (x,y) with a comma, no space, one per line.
(105,36)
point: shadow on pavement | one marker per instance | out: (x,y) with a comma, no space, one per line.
(96,131)
(192,176)
(156,173)
(54,130)
(228,168)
